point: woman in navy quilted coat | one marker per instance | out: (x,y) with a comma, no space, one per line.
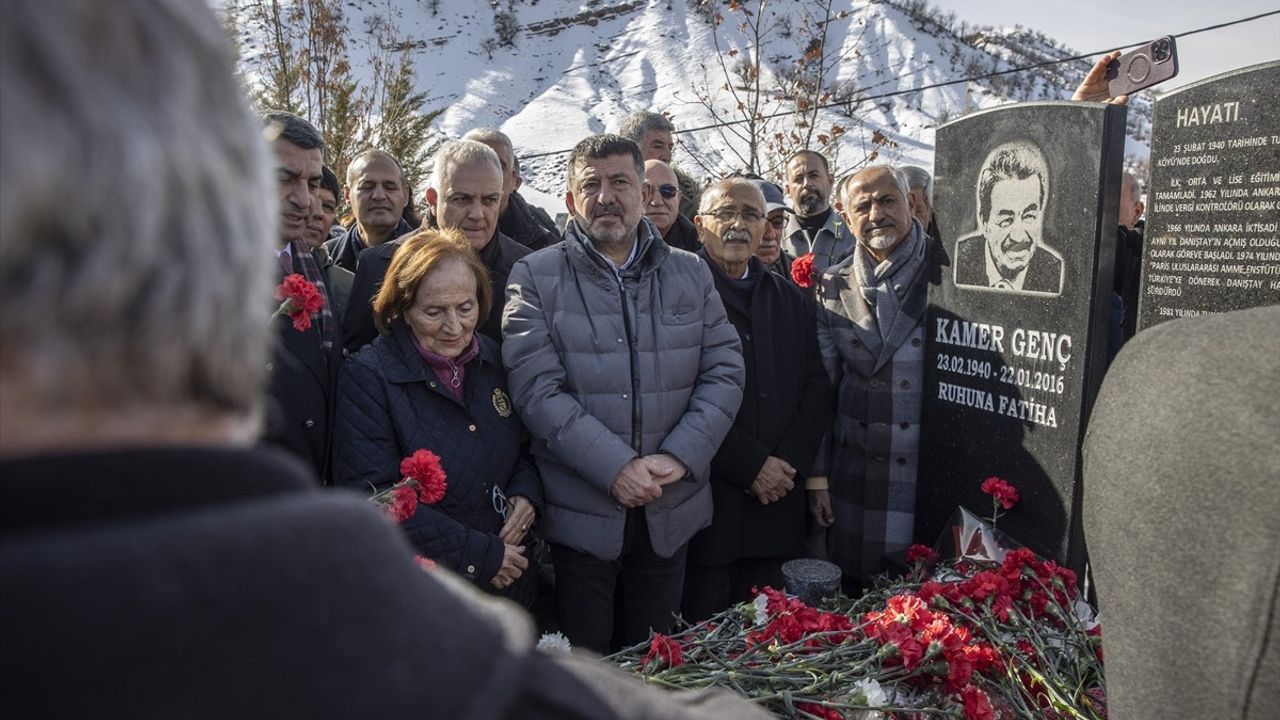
(431,383)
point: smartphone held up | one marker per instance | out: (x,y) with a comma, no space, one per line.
(1138,69)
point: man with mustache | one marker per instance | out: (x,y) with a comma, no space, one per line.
(758,473)
(378,193)
(1009,254)
(871,335)
(627,374)
(464,195)
(815,227)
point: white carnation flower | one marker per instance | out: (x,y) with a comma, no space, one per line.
(553,641)
(761,605)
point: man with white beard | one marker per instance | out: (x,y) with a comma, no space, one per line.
(871,334)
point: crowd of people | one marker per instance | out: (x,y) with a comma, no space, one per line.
(639,415)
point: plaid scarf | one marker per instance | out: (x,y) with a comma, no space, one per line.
(884,285)
(305,263)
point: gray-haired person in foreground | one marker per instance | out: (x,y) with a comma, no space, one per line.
(154,563)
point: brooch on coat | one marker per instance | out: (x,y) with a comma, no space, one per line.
(502,402)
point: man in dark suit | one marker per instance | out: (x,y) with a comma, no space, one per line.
(465,194)
(305,368)
(1008,253)
(153,563)
(757,475)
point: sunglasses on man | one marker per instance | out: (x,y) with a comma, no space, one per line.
(668,191)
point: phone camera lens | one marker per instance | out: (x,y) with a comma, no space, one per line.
(1160,51)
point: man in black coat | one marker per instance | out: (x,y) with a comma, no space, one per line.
(154,564)
(759,512)
(465,194)
(517,219)
(378,195)
(305,368)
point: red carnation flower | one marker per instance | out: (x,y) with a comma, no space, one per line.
(802,270)
(299,299)
(665,650)
(401,503)
(977,706)
(921,553)
(423,468)
(425,563)
(819,711)
(1001,491)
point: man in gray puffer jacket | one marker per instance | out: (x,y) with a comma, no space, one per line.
(628,374)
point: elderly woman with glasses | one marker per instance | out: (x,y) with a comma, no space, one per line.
(430,382)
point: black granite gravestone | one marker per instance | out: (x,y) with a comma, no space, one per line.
(1026,197)
(1213,206)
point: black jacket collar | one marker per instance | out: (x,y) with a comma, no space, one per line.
(44,492)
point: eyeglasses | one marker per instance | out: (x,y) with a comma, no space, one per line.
(668,191)
(728,215)
(779,223)
(499,500)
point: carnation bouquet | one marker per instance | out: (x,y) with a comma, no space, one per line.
(996,633)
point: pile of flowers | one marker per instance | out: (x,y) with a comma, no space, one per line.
(974,638)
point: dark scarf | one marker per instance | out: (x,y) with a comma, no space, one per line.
(885,285)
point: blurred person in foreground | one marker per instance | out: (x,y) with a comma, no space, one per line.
(433,383)
(154,562)
(1181,471)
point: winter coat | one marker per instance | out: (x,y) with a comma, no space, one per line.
(208,583)
(683,234)
(604,368)
(299,401)
(346,249)
(832,244)
(390,404)
(874,444)
(786,408)
(527,224)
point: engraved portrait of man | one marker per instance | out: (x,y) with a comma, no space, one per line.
(1008,253)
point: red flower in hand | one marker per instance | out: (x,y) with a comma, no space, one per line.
(423,468)
(665,650)
(1001,491)
(299,299)
(401,503)
(802,270)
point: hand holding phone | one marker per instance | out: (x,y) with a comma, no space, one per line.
(1138,69)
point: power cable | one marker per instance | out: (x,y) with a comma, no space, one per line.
(894,93)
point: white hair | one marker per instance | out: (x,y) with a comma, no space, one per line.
(138,212)
(718,188)
(461,152)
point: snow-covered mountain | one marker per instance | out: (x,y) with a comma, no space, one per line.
(576,67)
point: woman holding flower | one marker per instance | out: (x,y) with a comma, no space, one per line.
(431,383)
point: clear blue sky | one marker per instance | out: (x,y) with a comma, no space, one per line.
(1089,25)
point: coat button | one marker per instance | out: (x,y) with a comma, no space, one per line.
(915,342)
(747,336)
(902,461)
(619,339)
(433,383)
(471,569)
(472,428)
(906,384)
(309,424)
(624,396)
(856,343)
(905,426)
(270,367)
